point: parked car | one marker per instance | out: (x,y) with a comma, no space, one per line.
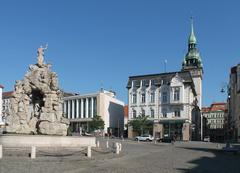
(144,138)
(206,139)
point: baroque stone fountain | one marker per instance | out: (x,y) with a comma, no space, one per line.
(36,105)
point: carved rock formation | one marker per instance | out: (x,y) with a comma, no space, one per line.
(36,106)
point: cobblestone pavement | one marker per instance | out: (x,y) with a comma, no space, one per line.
(143,157)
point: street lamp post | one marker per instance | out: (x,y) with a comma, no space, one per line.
(226,88)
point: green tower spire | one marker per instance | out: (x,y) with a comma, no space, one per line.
(192,58)
(192,39)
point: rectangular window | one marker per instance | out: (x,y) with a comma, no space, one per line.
(134,113)
(164,112)
(144,82)
(152,97)
(164,97)
(176,94)
(164,82)
(134,98)
(143,113)
(152,82)
(152,113)
(143,97)
(177,113)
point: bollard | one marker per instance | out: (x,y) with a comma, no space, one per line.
(120,146)
(89,152)
(138,140)
(1,152)
(117,148)
(107,145)
(155,141)
(98,144)
(33,152)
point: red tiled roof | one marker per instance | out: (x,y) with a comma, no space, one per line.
(126,111)
(1,86)
(7,94)
(219,106)
(205,109)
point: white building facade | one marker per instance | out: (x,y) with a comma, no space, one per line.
(171,100)
(80,109)
(168,99)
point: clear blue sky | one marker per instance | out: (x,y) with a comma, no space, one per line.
(93,42)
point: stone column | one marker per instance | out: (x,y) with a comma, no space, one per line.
(92,107)
(68,111)
(86,107)
(73,109)
(81,108)
(77,116)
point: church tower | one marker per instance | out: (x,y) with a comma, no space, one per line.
(192,62)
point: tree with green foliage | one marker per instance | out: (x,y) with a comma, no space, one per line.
(97,123)
(141,125)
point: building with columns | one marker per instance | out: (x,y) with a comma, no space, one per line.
(80,109)
(1,101)
(171,100)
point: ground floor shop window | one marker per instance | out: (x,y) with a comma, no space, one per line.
(173,130)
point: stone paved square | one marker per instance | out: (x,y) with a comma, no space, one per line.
(182,157)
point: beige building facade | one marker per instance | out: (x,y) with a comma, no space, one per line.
(80,109)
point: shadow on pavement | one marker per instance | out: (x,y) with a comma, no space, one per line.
(221,162)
